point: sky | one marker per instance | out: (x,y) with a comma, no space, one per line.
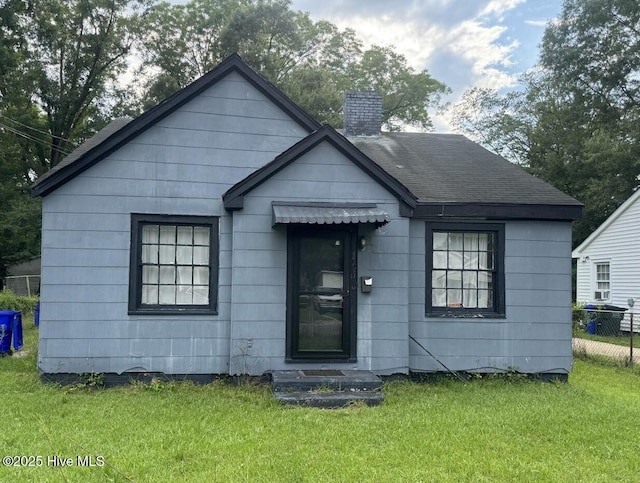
(462,43)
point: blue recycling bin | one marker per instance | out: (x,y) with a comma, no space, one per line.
(36,315)
(10,331)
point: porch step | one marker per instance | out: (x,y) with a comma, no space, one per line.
(326,389)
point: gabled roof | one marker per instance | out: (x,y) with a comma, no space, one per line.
(234,197)
(122,131)
(605,224)
(453,176)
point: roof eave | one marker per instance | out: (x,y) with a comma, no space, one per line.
(233,198)
(605,224)
(495,211)
(233,63)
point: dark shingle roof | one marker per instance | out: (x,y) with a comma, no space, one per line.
(93,142)
(449,168)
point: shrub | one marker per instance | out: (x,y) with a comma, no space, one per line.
(10,301)
(579,316)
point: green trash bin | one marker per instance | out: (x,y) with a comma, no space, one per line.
(608,320)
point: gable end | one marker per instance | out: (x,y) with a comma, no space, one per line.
(234,198)
(76,164)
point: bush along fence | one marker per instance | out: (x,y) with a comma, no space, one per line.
(607,331)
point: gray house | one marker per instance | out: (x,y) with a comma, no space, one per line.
(225,232)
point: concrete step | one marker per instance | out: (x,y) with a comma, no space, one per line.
(309,380)
(329,400)
(326,389)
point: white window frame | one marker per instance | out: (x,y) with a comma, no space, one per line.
(598,284)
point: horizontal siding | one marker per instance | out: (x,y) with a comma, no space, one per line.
(618,244)
(259,334)
(535,335)
(180,166)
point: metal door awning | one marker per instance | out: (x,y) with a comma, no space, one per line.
(328,213)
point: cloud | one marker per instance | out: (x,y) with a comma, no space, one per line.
(461,43)
(537,23)
(499,7)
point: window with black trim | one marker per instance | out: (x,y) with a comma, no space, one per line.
(174,264)
(464,269)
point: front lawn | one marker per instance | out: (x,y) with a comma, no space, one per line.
(485,430)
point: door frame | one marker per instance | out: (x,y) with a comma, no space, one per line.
(349,315)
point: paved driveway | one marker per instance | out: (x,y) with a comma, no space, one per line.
(605,349)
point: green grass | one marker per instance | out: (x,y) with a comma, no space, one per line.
(485,430)
(613,339)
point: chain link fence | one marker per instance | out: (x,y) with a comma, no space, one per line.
(607,332)
(23,284)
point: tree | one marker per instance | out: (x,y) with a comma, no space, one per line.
(575,123)
(72,53)
(179,43)
(59,61)
(313,62)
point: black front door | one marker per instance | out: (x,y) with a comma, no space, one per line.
(321,293)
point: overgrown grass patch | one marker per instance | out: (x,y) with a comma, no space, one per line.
(484,430)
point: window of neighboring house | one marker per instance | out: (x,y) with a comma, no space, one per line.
(174,264)
(603,281)
(465,269)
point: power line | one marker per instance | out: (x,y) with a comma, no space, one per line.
(30,127)
(32,138)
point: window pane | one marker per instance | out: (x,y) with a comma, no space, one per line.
(184,255)
(167,295)
(455,260)
(201,255)
(150,294)
(471,242)
(454,279)
(185,235)
(440,241)
(484,300)
(167,275)
(454,298)
(602,272)
(439,279)
(149,274)
(470,299)
(201,235)
(201,276)
(483,241)
(484,280)
(167,235)
(485,260)
(455,241)
(150,234)
(439,298)
(471,260)
(439,259)
(184,275)
(149,253)
(470,279)
(200,295)
(184,295)
(167,254)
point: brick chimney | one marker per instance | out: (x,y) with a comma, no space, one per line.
(362,113)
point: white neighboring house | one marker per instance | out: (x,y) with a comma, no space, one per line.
(608,261)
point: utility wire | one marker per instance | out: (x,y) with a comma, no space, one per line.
(31,138)
(30,127)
